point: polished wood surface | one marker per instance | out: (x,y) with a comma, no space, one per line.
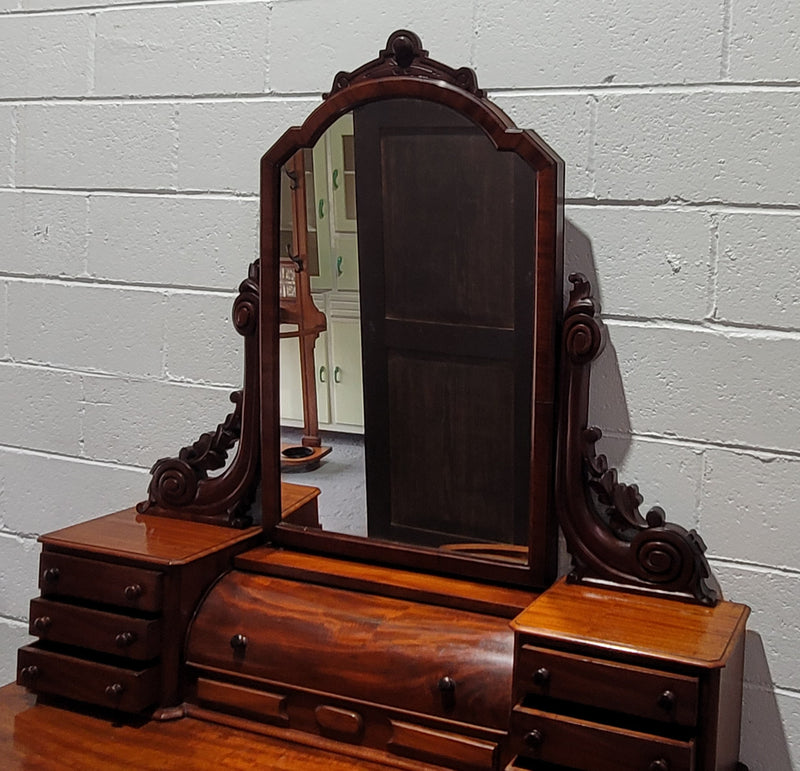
(609,620)
(48,737)
(389,582)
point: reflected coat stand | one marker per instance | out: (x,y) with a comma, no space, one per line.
(215,626)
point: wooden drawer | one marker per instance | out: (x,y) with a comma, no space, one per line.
(45,671)
(88,579)
(135,638)
(646,693)
(581,744)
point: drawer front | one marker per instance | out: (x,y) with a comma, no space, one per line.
(135,638)
(129,690)
(127,587)
(581,744)
(646,693)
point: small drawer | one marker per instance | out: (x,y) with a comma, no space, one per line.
(127,587)
(581,744)
(45,671)
(646,693)
(135,638)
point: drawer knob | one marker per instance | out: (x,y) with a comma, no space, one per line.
(42,623)
(115,690)
(447,685)
(29,673)
(124,639)
(659,765)
(238,643)
(51,575)
(541,676)
(667,701)
(133,592)
(534,738)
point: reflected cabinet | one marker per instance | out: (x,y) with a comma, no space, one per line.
(409,289)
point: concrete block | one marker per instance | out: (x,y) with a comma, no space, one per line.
(87,327)
(138,422)
(91,145)
(43,234)
(76,490)
(775,619)
(765,41)
(13,635)
(668,474)
(44,55)
(19,575)
(41,409)
(587,42)
(749,505)
(770,730)
(221,142)
(704,385)
(732,146)
(3,320)
(646,262)
(564,122)
(45,5)
(166,240)
(200,49)
(305,57)
(201,342)
(759,261)
(8,120)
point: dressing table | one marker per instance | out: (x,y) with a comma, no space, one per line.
(443,638)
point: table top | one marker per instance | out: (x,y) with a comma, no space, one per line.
(48,737)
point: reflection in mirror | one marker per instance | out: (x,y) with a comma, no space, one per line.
(423,244)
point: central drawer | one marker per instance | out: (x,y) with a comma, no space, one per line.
(589,746)
(98,630)
(646,693)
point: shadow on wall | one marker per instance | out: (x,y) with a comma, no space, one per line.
(607,403)
(764,744)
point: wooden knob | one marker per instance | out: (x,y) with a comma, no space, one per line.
(51,575)
(238,642)
(541,676)
(42,623)
(115,690)
(133,591)
(667,701)
(534,738)
(124,639)
(659,765)
(30,672)
(447,684)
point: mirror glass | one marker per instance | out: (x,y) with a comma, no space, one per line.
(412,239)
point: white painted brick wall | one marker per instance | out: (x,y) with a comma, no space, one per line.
(130,135)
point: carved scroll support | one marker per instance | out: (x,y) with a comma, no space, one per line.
(181,486)
(611,543)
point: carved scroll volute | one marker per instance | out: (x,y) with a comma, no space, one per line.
(609,540)
(180,486)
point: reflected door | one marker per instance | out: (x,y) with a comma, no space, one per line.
(446,276)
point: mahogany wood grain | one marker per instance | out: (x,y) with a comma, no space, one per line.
(339,722)
(587,746)
(661,630)
(360,646)
(420,742)
(646,693)
(247,701)
(98,630)
(477,597)
(49,737)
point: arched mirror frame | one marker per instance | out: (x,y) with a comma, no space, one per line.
(404,71)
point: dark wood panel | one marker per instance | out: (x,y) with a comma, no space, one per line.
(360,646)
(502,601)
(114,633)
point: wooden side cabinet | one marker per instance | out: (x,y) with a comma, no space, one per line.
(608,681)
(117,594)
